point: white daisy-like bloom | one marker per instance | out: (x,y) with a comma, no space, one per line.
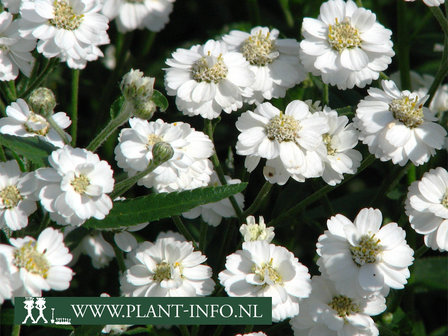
(6,280)
(97,248)
(396,126)
(125,240)
(17,200)
(15,52)
(138,14)
(274,61)
(75,188)
(38,265)
(295,137)
(430,3)
(362,257)
(345,45)
(13,6)
(253,231)
(421,84)
(69,29)
(261,269)
(212,213)
(189,167)
(427,208)
(330,313)
(207,79)
(340,157)
(166,268)
(23,122)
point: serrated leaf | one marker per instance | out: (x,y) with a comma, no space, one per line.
(115,108)
(160,100)
(430,273)
(157,206)
(34,149)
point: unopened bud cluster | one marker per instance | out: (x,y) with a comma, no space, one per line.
(138,89)
(42,101)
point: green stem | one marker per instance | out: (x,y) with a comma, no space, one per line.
(438,14)
(218,330)
(3,108)
(325,95)
(123,186)
(208,128)
(317,195)
(12,88)
(284,4)
(15,330)
(203,236)
(50,66)
(441,74)
(183,229)
(2,154)
(149,41)
(403,47)
(421,251)
(184,330)
(195,330)
(262,194)
(74,105)
(58,130)
(7,92)
(359,3)
(107,131)
(412,174)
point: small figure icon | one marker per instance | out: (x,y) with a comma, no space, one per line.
(40,306)
(29,306)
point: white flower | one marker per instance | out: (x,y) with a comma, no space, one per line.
(76,187)
(340,157)
(431,3)
(167,268)
(12,5)
(188,168)
(261,269)
(69,29)
(253,231)
(345,45)
(23,122)
(38,265)
(97,248)
(125,240)
(141,14)
(427,208)
(212,213)
(397,127)
(15,52)
(207,79)
(17,200)
(360,257)
(6,281)
(327,312)
(274,61)
(294,136)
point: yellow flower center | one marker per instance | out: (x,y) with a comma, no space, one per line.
(259,49)
(162,272)
(80,183)
(267,270)
(209,69)
(343,306)
(407,111)
(152,140)
(445,199)
(367,250)
(327,141)
(32,260)
(36,124)
(342,35)
(282,128)
(10,197)
(64,16)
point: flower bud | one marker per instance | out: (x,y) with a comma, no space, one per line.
(144,109)
(42,101)
(162,152)
(135,85)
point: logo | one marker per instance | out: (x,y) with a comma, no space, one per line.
(31,304)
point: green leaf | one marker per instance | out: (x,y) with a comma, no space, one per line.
(347,110)
(34,149)
(115,108)
(430,273)
(160,100)
(156,206)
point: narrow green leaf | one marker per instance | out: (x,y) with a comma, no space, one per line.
(115,108)
(430,273)
(156,206)
(160,100)
(33,148)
